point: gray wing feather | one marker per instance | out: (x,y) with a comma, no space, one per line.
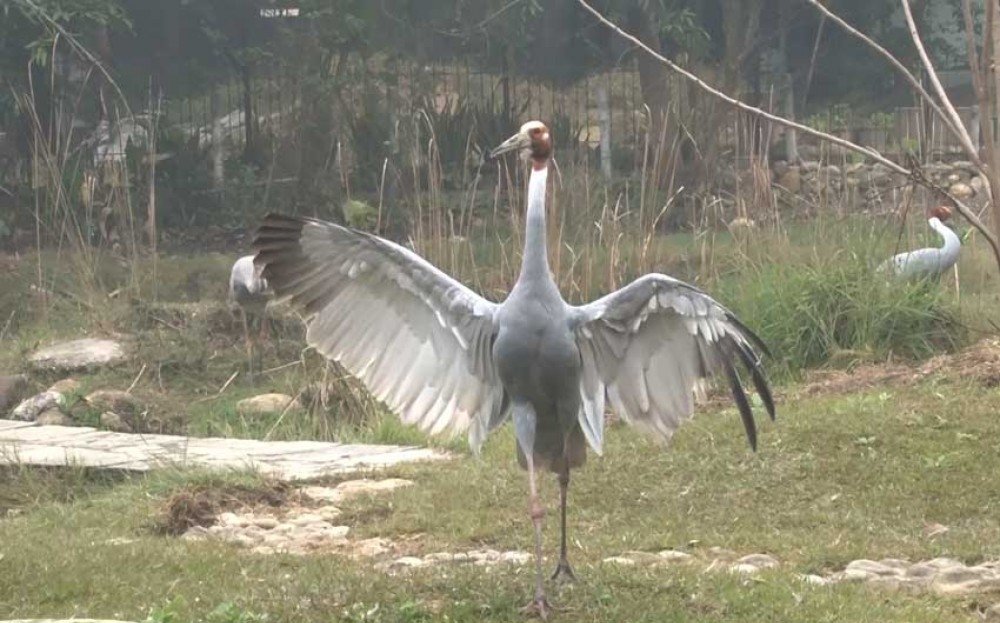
(650,347)
(419,340)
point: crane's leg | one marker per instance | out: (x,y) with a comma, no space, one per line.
(524,429)
(248,343)
(563,570)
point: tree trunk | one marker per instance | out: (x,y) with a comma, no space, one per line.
(249,116)
(653,76)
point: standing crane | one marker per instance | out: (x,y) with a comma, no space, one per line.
(249,290)
(929,263)
(446,359)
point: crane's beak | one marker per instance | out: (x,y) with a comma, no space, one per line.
(518,141)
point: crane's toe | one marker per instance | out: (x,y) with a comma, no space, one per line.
(564,572)
(539,607)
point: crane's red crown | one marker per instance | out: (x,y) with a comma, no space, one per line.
(941,212)
(532,141)
(540,140)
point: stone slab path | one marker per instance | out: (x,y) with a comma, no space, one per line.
(26,443)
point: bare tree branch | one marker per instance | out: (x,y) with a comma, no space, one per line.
(900,67)
(914,173)
(959,129)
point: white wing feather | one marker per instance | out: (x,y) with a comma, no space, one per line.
(650,347)
(419,340)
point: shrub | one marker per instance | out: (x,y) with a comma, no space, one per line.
(840,311)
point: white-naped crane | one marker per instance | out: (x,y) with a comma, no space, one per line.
(929,263)
(446,359)
(248,289)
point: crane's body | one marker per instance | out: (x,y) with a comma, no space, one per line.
(446,359)
(929,263)
(249,291)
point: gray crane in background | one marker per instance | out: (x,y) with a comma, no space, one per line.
(446,359)
(929,263)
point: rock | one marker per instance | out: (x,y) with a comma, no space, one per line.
(809,166)
(267,523)
(833,170)
(619,560)
(961,191)
(115,401)
(79,355)
(516,558)
(852,169)
(407,562)
(67,387)
(13,390)
(871,567)
(267,404)
(672,556)
(979,185)
(761,561)
(53,417)
(644,558)
(957,580)
(370,547)
(815,580)
(114,422)
(720,553)
(954,178)
(744,569)
(791,180)
(30,409)
(992,613)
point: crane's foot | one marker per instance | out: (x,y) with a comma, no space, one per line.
(538,607)
(564,572)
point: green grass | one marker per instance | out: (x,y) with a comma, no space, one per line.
(835,479)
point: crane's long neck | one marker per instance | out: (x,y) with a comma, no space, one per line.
(535,263)
(951,246)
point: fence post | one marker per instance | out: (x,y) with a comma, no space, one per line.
(604,119)
(218,155)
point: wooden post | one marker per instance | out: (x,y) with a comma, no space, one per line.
(604,119)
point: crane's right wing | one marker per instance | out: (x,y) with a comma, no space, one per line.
(649,346)
(419,340)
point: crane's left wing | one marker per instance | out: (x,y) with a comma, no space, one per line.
(419,340)
(650,346)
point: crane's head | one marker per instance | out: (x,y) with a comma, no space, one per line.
(533,141)
(942,212)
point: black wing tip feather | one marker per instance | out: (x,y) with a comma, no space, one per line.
(740,397)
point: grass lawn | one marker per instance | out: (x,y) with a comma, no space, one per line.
(836,478)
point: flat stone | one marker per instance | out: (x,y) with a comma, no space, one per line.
(267,404)
(79,355)
(24,442)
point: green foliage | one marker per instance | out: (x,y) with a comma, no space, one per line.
(360,215)
(821,312)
